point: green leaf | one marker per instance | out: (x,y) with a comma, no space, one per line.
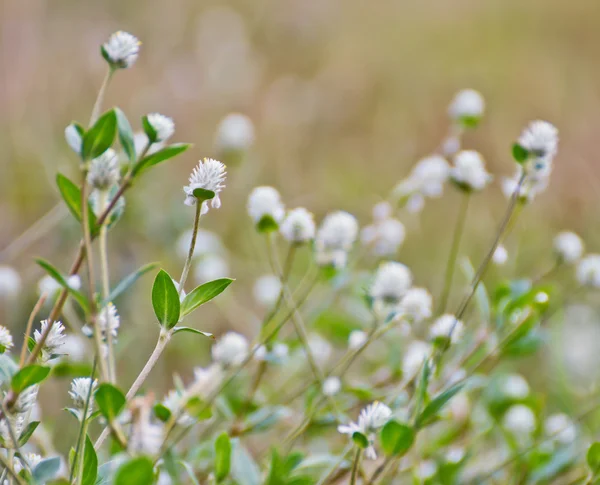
(162,412)
(125,135)
(197,408)
(222,457)
(203,194)
(46,470)
(99,137)
(165,300)
(519,153)
(192,330)
(360,440)
(159,156)
(29,376)
(62,281)
(90,464)
(436,405)
(202,294)
(396,438)
(27,432)
(110,400)
(267,224)
(71,194)
(149,129)
(593,457)
(129,280)
(137,471)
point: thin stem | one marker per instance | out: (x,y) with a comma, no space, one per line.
(380,469)
(100,98)
(32,315)
(83,429)
(355,464)
(456,238)
(190,256)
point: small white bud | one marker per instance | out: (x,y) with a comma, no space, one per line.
(500,255)
(357,339)
(266,290)
(331,386)
(467,104)
(235,132)
(298,226)
(469,170)
(10,282)
(265,202)
(121,50)
(520,420)
(104,170)
(163,126)
(568,246)
(588,271)
(6,340)
(209,175)
(230,349)
(446,326)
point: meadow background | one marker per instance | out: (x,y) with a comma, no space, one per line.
(345,95)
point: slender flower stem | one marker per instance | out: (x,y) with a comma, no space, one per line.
(190,256)
(355,465)
(458,232)
(32,315)
(78,463)
(330,472)
(100,98)
(379,470)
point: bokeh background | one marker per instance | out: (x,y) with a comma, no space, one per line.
(345,95)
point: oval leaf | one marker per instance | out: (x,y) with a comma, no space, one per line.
(29,376)
(436,405)
(71,194)
(99,137)
(27,432)
(138,471)
(129,280)
(110,400)
(125,134)
(160,156)
(203,294)
(222,457)
(62,281)
(165,300)
(90,464)
(593,457)
(396,438)
(46,470)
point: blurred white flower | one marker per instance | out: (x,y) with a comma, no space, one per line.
(206,380)
(370,419)
(459,407)
(10,282)
(446,326)
(175,401)
(6,340)
(145,437)
(384,236)
(455,454)
(298,226)
(335,237)
(121,50)
(426,470)
(426,180)
(390,284)
(206,242)
(266,290)
(467,103)
(540,139)
(320,348)
(75,347)
(265,202)
(561,428)
(33,459)
(80,389)
(469,170)
(163,126)
(515,386)
(54,341)
(331,386)
(208,175)
(235,132)
(211,267)
(104,170)
(109,320)
(519,419)
(588,271)
(142,144)
(230,349)
(357,339)
(73,138)
(416,304)
(500,255)
(414,356)
(568,246)
(382,211)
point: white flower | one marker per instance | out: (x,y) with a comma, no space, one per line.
(416,353)
(265,202)
(357,339)
(382,211)
(430,174)
(235,132)
(73,138)
(80,389)
(266,290)
(515,386)
(32,459)
(426,469)
(49,286)
(416,304)
(109,320)
(211,267)
(335,238)
(208,175)
(331,386)
(280,350)
(54,341)
(469,170)
(206,380)
(500,255)
(467,103)
(446,326)
(163,126)
(26,400)
(121,50)
(230,349)
(370,419)
(568,246)
(207,242)
(588,271)
(104,170)
(175,402)
(540,139)
(10,282)
(6,340)
(319,348)
(146,437)
(561,428)
(534,183)
(75,347)
(391,283)
(455,454)
(384,236)
(519,419)
(298,226)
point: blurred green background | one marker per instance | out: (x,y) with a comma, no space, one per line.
(345,95)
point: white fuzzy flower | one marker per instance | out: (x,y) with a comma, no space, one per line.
(10,282)
(73,138)
(211,267)
(230,349)
(163,126)
(104,170)
(175,402)
(533,184)
(145,437)
(468,104)
(235,132)
(319,348)
(206,380)
(265,202)
(298,226)
(335,238)
(469,170)
(384,236)
(540,139)
(519,419)
(121,50)
(588,271)
(17,423)
(455,454)
(75,347)
(416,304)
(515,386)
(54,341)
(430,174)
(500,255)
(561,428)
(207,242)
(382,211)
(446,326)
(6,340)
(370,419)
(80,389)
(208,175)
(280,350)
(391,283)
(416,353)
(331,386)
(32,459)
(109,320)
(568,246)
(26,400)
(426,470)
(357,339)
(143,146)
(266,290)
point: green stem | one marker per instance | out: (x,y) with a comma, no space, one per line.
(355,464)
(190,256)
(458,232)
(78,462)
(100,98)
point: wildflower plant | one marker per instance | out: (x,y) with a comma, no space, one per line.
(409,385)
